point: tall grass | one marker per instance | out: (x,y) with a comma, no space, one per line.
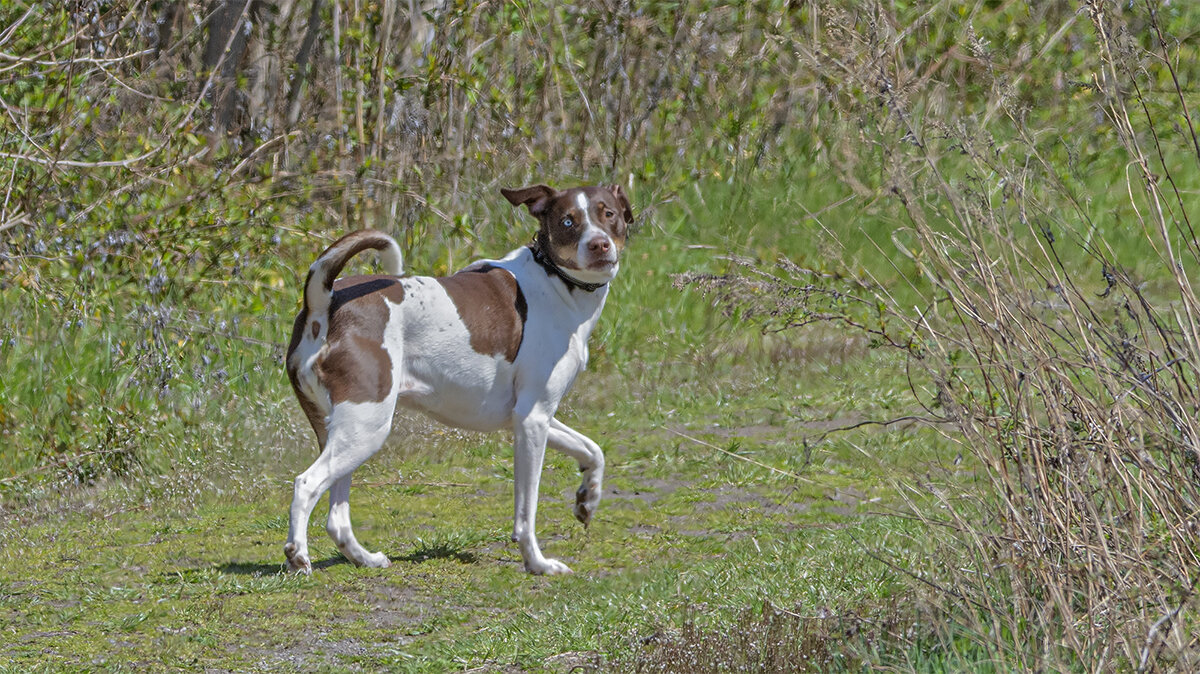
(1051,324)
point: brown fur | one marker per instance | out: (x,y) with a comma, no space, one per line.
(315,418)
(493,308)
(353,366)
(350,245)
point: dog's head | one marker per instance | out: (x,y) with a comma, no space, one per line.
(583,229)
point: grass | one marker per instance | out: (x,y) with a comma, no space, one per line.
(686,534)
(182,567)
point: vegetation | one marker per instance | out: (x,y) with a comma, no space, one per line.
(900,371)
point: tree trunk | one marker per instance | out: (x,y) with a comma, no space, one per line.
(228,35)
(302,59)
(166,27)
(265,65)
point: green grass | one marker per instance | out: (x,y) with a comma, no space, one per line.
(187,572)
(179,564)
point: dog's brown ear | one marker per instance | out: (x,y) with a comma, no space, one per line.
(626,211)
(535,197)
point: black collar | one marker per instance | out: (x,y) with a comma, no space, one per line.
(543,259)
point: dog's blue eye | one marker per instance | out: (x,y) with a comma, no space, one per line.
(568,222)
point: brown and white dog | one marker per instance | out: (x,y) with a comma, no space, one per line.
(496,345)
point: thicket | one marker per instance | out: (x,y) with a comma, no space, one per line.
(1049,322)
(167,164)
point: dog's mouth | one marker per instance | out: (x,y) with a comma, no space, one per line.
(602,265)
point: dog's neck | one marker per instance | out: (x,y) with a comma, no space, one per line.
(543,258)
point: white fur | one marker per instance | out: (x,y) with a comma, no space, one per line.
(356,431)
(582,202)
(442,376)
(392,259)
(593,275)
(435,370)
(306,358)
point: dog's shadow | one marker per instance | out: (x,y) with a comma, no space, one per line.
(252,569)
(424,552)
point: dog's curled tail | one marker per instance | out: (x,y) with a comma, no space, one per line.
(318,288)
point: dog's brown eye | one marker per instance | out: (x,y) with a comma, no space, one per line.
(609,214)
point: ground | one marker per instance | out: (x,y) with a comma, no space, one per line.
(720,495)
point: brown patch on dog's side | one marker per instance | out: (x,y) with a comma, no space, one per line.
(491,305)
(315,418)
(354,366)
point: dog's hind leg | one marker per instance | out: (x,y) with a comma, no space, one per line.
(356,432)
(338,526)
(591,463)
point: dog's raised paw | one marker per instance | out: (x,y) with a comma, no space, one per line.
(585,506)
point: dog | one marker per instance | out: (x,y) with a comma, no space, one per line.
(494,346)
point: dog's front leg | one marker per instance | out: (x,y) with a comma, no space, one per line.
(591,463)
(529,449)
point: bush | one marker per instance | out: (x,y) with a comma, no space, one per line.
(1048,317)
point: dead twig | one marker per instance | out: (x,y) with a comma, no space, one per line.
(747,459)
